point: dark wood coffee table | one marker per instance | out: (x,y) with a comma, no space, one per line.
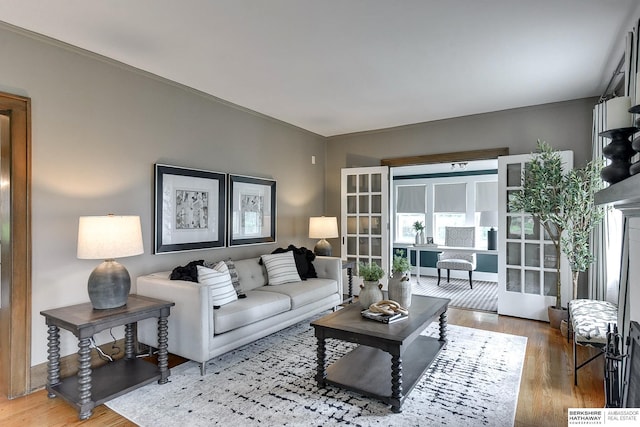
(390,358)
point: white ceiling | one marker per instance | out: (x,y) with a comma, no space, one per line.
(342,66)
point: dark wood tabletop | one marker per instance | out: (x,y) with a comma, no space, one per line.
(422,312)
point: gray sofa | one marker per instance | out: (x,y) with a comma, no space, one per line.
(199,332)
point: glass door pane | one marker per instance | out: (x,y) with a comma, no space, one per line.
(365,213)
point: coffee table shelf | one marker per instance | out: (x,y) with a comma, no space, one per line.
(390,359)
(348,372)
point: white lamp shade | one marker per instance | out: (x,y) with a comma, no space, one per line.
(108,237)
(618,115)
(323,227)
(489,219)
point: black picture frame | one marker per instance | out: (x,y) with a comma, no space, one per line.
(252,210)
(190,209)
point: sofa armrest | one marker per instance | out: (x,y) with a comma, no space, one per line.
(190,322)
(329,268)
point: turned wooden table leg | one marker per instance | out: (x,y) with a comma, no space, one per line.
(129,351)
(443,327)
(396,383)
(53,364)
(163,354)
(84,379)
(321,352)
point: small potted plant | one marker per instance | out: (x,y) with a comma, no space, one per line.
(400,282)
(418,227)
(371,288)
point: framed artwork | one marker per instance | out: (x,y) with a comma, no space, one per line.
(190,209)
(252,210)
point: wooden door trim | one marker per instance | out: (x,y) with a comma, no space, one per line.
(459,156)
(15,313)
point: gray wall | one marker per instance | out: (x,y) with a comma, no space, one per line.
(99,127)
(564,125)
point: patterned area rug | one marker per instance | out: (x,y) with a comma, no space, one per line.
(473,382)
(483,296)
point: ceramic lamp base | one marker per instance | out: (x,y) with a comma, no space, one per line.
(109,285)
(492,239)
(322,248)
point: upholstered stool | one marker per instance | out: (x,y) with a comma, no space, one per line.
(589,320)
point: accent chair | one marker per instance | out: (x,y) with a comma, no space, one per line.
(458,237)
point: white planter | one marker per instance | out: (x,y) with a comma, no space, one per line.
(370,293)
(400,290)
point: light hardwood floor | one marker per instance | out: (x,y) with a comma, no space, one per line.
(546,389)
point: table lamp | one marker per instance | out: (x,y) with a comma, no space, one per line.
(490,219)
(109,237)
(323,227)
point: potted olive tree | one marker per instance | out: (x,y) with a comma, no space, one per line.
(583,214)
(563,205)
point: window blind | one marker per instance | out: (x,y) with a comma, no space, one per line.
(486,196)
(450,197)
(411,199)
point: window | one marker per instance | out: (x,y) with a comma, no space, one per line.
(482,240)
(448,219)
(449,208)
(443,199)
(404,227)
(410,207)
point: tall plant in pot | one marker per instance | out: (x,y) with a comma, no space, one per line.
(542,196)
(583,216)
(564,205)
(400,282)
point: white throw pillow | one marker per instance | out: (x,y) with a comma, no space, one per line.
(219,282)
(281,268)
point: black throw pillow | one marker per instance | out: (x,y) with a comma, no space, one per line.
(187,272)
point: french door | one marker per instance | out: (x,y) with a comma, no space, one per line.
(365,217)
(527,257)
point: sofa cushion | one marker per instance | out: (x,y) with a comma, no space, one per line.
(234,277)
(304,260)
(281,268)
(219,283)
(258,305)
(304,292)
(251,273)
